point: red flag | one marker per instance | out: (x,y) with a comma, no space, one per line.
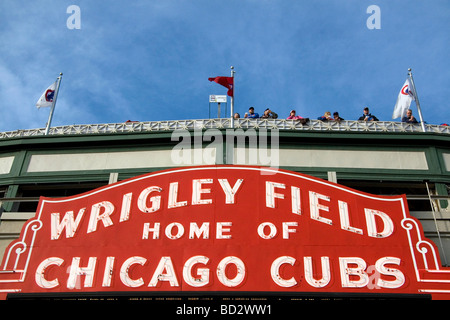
(227,82)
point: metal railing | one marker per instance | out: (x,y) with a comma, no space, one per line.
(225,123)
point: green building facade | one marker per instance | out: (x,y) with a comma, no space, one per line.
(382,158)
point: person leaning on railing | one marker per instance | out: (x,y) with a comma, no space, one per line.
(251,113)
(292,116)
(367,116)
(409,118)
(269,114)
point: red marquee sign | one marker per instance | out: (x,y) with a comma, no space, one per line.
(224,228)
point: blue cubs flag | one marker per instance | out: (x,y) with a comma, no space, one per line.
(46,100)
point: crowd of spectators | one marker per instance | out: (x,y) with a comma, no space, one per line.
(366,116)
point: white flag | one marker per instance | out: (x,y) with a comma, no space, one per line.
(47,98)
(405,97)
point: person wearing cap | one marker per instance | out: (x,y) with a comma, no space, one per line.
(367,116)
(295,117)
(251,113)
(269,114)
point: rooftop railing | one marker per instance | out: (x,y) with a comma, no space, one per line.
(225,123)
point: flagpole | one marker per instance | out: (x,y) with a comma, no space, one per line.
(232,99)
(417,99)
(50,117)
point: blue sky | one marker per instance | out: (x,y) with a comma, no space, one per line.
(150,60)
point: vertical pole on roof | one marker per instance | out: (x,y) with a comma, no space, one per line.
(417,99)
(47,128)
(232,100)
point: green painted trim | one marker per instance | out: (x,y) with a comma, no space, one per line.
(11,192)
(441,189)
(166,135)
(434,145)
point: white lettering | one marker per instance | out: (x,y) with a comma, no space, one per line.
(345,220)
(147,229)
(273,230)
(40,279)
(275,271)
(173,195)
(348,274)
(197,191)
(286,229)
(240,272)
(374,21)
(104,217)
(107,275)
(181,153)
(295,200)
(76,271)
(377,223)
(126,206)
(309,273)
(372,225)
(125,272)
(74,21)
(68,222)
(212,151)
(194,230)
(202,272)
(220,230)
(175,230)
(397,274)
(178,235)
(155,201)
(230,271)
(315,207)
(271,194)
(230,192)
(165,264)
